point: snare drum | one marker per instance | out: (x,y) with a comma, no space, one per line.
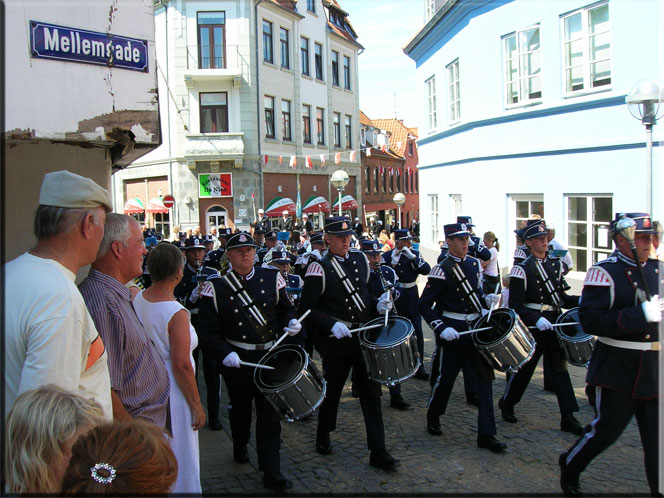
(577,344)
(508,345)
(295,388)
(390,353)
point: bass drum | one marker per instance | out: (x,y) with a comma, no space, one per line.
(508,344)
(390,353)
(577,344)
(295,388)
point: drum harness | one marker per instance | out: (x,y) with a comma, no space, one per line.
(535,266)
(468,294)
(250,309)
(346,285)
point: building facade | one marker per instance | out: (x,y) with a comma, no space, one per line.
(259,104)
(523,112)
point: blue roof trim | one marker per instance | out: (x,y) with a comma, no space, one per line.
(526,114)
(559,152)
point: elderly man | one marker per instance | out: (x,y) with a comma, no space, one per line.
(139,379)
(49,334)
(286,222)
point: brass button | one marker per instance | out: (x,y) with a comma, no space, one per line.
(356,270)
(236,310)
(231,298)
(262,292)
(244,337)
(357,279)
(264,305)
(647,336)
(239,323)
(260,280)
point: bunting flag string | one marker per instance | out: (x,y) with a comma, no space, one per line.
(336,156)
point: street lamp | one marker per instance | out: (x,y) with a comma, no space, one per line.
(643,102)
(399,200)
(339,180)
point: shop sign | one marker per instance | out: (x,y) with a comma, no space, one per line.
(215,185)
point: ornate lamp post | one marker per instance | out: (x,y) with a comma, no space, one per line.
(339,180)
(399,199)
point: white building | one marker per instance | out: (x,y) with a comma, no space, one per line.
(523,111)
(244,86)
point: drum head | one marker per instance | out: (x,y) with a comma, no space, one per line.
(501,323)
(288,362)
(571,331)
(397,329)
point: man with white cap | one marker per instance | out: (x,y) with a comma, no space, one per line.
(262,219)
(50,337)
(286,222)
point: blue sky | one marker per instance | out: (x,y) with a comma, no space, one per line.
(383,28)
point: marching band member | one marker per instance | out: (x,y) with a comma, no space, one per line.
(270,240)
(451,300)
(336,290)
(624,366)
(280,259)
(536,294)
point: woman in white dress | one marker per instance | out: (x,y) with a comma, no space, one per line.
(167,323)
(491,274)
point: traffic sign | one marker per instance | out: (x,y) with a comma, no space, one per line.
(169,201)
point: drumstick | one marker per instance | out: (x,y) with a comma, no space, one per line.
(472,331)
(256,365)
(299,320)
(375,325)
(488,318)
(558,324)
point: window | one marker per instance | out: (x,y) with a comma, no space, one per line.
(320,126)
(318,60)
(410,148)
(399,180)
(392,181)
(304,51)
(588,220)
(346,72)
(385,173)
(417,180)
(525,208)
(337,129)
(335,68)
(267,42)
(211,34)
(285,48)
(347,130)
(376,180)
(162,223)
(587,48)
(429,9)
(433,209)
(367,179)
(214,112)
(268,102)
(431,102)
(311,6)
(306,123)
(521,51)
(286,119)
(453,86)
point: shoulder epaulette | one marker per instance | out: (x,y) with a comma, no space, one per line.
(612,259)
(520,253)
(437,272)
(518,272)
(598,277)
(314,270)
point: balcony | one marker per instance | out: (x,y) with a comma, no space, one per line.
(207,63)
(214,146)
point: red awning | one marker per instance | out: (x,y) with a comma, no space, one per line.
(156,206)
(134,206)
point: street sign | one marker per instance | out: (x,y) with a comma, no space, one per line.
(169,201)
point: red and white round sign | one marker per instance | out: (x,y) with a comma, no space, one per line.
(169,201)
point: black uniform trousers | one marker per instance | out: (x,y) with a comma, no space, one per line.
(547,345)
(242,391)
(447,361)
(211,374)
(338,360)
(613,411)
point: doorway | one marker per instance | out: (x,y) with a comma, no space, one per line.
(217,216)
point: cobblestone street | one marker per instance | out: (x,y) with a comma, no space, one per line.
(450,464)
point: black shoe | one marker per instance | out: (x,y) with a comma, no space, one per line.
(507,412)
(383,460)
(491,443)
(548,388)
(276,481)
(397,401)
(240,454)
(570,424)
(215,425)
(471,399)
(433,426)
(323,443)
(569,481)
(421,374)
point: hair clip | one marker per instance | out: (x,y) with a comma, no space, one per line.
(101,479)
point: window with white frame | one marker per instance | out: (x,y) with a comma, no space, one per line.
(304,53)
(268,103)
(336,120)
(523,66)
(320,126)
(525,207)
(346,72)
(433,209)
(311,6)
(285,48)
(588,218)
(587,48)
(335,68)
(286,119)
(306,123)
(453,86)
(318,60)
(431,102)
(267,42)
(456,206)
(347,132)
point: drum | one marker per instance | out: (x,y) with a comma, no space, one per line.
(577,344)
(390,353)
(295,388)
(508,345)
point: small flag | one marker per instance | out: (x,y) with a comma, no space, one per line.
(391,171)
(409,171)
(265,159)
(309,164)
(280,158)
(353,153)
(384,148)
(381,169)
(368,151)
(337,158)
(293,161)
(398,172)
(322,160)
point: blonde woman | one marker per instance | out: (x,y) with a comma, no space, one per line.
(384,241)
(491,275)
(41,429)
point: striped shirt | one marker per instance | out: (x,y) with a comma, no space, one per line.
(138,373)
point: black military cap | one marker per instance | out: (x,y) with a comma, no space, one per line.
(338,225)
(240,239)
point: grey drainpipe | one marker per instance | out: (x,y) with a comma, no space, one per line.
(258,112)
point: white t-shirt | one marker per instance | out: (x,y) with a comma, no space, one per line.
(491,269)
(50,337)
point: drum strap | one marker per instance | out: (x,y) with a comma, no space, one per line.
(468,294)
(251,311)
(535,267)
(331,264)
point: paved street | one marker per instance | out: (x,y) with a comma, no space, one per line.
(450,464)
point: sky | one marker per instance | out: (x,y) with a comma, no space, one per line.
(383,27)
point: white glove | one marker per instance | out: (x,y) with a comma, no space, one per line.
(339,330)
(384,303)
(408,253)
(293,328)
(449,334)
(195,294)
(492,299)
(232,360)
(316,254)
(653,309)
(544,324)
